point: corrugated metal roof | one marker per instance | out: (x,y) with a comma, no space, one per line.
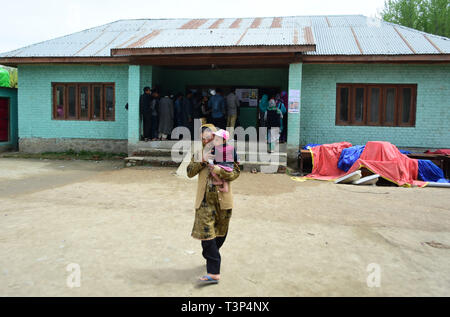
(332,35)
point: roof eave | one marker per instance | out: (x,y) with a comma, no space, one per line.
(410,58)
(253,49)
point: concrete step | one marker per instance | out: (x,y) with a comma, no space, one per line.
(159,152)
(151,161)
(167,161)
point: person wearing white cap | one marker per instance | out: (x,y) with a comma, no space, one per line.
(217,105)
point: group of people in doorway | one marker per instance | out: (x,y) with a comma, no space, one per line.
(273,116)
(160,114)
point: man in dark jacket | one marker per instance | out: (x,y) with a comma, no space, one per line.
(154,108)
(146,113)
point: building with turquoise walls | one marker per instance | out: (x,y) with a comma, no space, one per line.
(318,115)
(10,96)
(312,55)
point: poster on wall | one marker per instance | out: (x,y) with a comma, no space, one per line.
(294,101)
(253,102)
(243,95)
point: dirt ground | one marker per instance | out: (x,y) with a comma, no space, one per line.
(129,232)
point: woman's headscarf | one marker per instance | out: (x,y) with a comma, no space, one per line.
(272,104)
(264,103)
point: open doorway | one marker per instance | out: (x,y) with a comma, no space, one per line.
(249,84)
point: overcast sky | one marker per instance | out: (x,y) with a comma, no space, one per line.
(26,22)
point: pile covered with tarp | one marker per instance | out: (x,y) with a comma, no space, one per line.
(333,161)
(4,78)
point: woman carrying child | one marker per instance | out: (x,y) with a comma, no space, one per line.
(213,206)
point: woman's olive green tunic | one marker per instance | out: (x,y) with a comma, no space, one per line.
(211,220)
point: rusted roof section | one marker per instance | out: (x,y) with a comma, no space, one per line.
(242,37)
(144,39)
(404,40)
(308,35)
(276,23)
(356,40)
(194,24)
(88,44)
(256,23)
(295,41)
(432,43)
(216,24)
(236,24)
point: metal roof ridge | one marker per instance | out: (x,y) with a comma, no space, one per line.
(246,17)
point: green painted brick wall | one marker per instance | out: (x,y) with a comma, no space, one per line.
(35,101)
(433,104)
(295,83)
(136,83)
(318,98)
(11,94)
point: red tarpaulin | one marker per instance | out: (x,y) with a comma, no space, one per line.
(381,158)
(441,151)
(325,161)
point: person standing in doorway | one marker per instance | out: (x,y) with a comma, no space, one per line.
(263,105)
(197,111)
(232,111)
(154,115)
(145,113)
(166,114)
(189,109)
(273,118)
(178,105)
(206,111)
(285,100)
(213,208)
(217,105)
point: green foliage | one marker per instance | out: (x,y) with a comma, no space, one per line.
(431,16)
(13,78)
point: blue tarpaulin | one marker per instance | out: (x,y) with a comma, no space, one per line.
(430,172)
(349,156)
(310,146)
